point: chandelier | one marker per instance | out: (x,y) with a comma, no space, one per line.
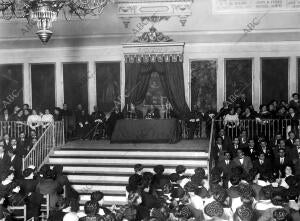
(44,12)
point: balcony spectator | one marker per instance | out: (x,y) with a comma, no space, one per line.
(47,119)
(34,120)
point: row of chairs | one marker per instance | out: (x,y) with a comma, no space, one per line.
(45,210)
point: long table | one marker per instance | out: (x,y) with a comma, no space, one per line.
(146,131)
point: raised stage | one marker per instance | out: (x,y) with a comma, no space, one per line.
(99,165)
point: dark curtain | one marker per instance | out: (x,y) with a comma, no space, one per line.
(137,82)
(171,76)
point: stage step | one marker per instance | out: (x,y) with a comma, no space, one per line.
(126,171)
(101,166)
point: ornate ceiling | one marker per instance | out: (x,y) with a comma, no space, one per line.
(154,10)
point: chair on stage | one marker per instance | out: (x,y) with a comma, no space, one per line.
(18,210)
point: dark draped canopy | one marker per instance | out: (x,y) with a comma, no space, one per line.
(171,76)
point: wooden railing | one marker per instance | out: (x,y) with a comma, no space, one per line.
(13,128)
(197,131)
(211,162)
(259,127)
(51,138)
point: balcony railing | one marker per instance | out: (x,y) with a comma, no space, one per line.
(52,137)
(259,127)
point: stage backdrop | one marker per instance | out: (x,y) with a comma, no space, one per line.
(204,84)
(75,85)
(43,86)
(274,79)
(238,79)
(108,85)
(11,86)
(138,77)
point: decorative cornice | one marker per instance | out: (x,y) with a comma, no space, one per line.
(147,9)
(153,52)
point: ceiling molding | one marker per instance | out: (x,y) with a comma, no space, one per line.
(156,10)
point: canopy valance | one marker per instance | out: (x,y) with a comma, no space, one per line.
(153,52)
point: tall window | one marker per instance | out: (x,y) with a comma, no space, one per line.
(204,84)
(274,79)
(11,86)
(75,84)
(43,86)
(238,79)
(108,85)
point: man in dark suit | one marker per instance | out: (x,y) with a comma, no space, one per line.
(218,150)
(226,139)
(98,123)
(15,162)
(225,167)
(281,162)
(281,145)
(4,159)
(23,143)
(251,150)
(291,139)
(243,161)
(234,147)
(266,150)
(294,151)
(16,148)
(262,164)
(243,139)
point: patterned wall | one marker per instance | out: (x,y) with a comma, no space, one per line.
(43,86)
(108,85)
(238,74)
(11,85)
(204,84)
(75,84)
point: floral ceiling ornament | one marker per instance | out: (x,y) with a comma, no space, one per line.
(153,36)
(45,12)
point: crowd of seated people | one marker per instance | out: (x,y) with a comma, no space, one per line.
(243,191)
(270,168)
(232,114)
(31,188)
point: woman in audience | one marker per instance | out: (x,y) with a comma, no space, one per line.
(47,119)
(231,122)
(34,120)
(91,210)
(48,185)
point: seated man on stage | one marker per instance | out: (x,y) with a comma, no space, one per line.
(133,112)
(152,113)
(98,120)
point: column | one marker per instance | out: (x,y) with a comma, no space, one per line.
(92,87)
(292,76)
(59,85)
(220,82)
(122,82)
(27,88)
(187,80)
(256,83)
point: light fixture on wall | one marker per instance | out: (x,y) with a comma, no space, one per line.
(45,12)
